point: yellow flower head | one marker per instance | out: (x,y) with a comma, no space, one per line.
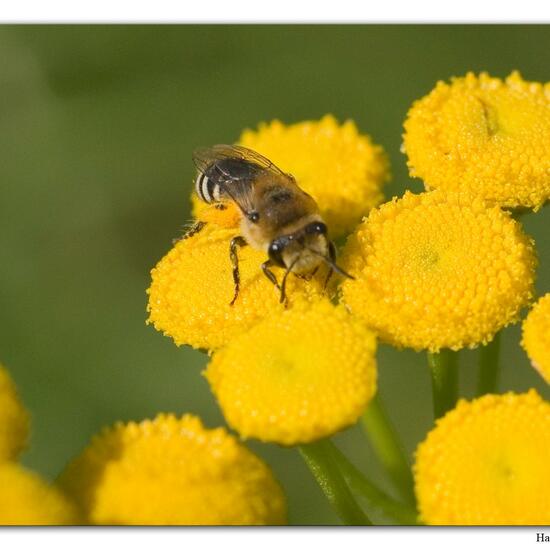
(486,463)
(536,336)
(485,136)
(297,376)
(343,170)
(438,271)
(192,287)
(25,499)
(172,471)
(229,217)
(14,419)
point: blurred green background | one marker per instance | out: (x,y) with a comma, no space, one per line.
(97,125)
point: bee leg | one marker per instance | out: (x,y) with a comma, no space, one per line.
(236,242)
(283,299)
(269,274)
(308,276)
(332,256)
(193,230)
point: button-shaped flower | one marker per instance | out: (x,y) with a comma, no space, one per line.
(536,336)
(486,463)
(26,499)
(299,375)
(438,270)
(14,419)
(192,287)
(485,136)
(172,471)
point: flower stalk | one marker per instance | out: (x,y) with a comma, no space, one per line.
(377,499)
(388,448)
(489,367)
(320,458)
(444,372)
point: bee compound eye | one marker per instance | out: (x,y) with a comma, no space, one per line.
(318,228)
(253,217)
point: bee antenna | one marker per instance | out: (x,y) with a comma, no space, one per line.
(332,264)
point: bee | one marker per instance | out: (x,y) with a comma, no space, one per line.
(277,216)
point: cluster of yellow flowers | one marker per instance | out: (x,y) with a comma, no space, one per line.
(25,498)
(172,471)
(166,471)
(273,365)
(444,269)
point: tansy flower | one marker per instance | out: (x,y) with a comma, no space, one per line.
(297,376)
(228,217)
(438,271)
(485,136)
(192,287)
(486,463)
(14,420)
(172,471)
(25,499)
(343,170)
(536,336)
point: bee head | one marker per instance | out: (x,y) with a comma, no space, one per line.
(302,249)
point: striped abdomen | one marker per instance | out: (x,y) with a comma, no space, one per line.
(207,190)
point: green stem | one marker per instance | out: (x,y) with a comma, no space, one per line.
(376,498)
(320,458)
(488,367)
(388,448)
(444,371)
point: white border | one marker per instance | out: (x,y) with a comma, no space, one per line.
(370,538)
(276,11)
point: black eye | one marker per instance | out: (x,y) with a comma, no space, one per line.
(253,217)
(316,228)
